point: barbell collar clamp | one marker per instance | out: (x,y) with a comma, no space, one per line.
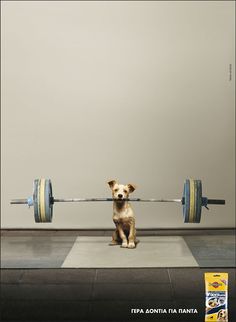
(206,202)
(30,201)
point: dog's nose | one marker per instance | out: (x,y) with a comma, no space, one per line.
(120,195)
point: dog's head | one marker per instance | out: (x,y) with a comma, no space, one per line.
(121,191)
(222,315)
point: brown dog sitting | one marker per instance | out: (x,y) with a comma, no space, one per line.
(123,216)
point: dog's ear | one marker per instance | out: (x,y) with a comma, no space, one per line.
(111,183)
(131,187)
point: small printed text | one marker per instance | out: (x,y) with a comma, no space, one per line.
(163,311)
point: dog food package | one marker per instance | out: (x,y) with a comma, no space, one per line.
(216,286)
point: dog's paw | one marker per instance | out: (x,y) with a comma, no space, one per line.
(131,245)
(113,243)
(124,245)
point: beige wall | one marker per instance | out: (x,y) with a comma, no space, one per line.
(137,91)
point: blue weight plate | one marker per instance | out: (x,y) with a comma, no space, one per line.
(195,201)
(184,201)
(186,196)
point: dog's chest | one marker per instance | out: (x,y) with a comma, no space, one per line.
(123,216)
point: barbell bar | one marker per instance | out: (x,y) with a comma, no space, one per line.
(43,200)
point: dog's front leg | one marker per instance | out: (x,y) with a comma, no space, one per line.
(132,234)
(122,236)
(115,238)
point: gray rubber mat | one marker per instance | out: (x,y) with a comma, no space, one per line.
(35,251)
(156,251)
(213,251)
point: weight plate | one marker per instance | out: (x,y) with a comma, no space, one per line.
(192,201)
(48,204)
(196,192)
(38,198)
(186,197)
(35,198)
(198,204)
(51,198)
(42,200)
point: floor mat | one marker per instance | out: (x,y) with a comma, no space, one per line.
(35,251)
(213,251)
(156,251)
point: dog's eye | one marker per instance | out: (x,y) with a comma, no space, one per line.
(116,190)
(125,191)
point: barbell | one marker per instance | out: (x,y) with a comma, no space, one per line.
(43,201)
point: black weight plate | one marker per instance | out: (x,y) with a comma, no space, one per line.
(198,201)
(51,198)
(37,217)
(48,205)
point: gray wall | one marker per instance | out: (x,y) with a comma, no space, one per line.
(137,91)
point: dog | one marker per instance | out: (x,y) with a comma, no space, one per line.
(123,215)
(222,315)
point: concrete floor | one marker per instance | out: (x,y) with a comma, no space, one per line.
(50,249)
(105,294)
(98,294)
